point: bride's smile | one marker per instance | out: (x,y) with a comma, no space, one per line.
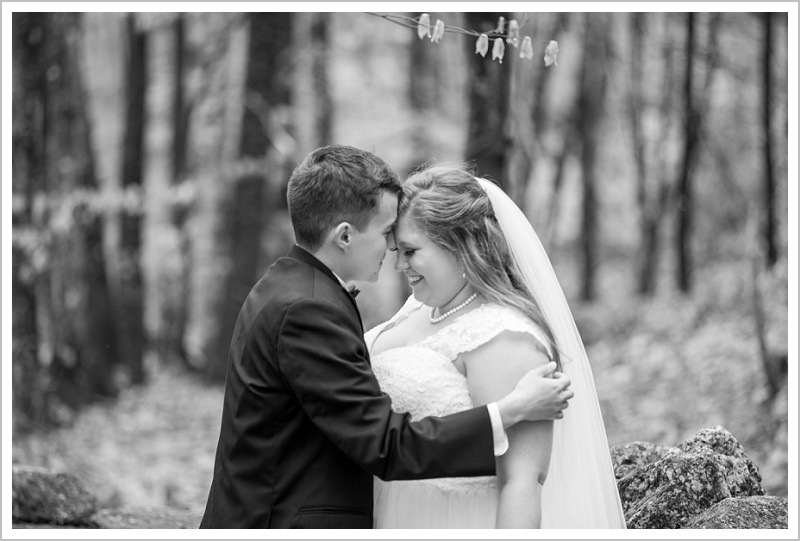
(434,275)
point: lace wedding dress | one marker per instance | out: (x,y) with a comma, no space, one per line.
(423,381)
(581,489)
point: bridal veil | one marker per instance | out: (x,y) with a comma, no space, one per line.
(581,490)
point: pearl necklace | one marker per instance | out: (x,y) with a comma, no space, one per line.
(451,311)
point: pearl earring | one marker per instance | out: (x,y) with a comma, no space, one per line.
(463,274)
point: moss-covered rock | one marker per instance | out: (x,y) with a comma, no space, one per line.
(666,493)
(686,480)
(745,512)
(633,456)
(741,473)
(42,496)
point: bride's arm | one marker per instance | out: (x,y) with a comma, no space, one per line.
(492,371)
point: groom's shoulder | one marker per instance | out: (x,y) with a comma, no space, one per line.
(286,280)
(289,280)
(292,293)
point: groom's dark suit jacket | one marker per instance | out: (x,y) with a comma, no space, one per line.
(305,426)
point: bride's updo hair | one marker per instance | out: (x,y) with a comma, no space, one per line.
(449,205)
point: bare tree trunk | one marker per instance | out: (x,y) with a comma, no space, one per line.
(29,396)
(255,194)
(129,302)
(553,207)
(652,195)
(565,149)
(178,315)
(165,249)
(312,102)
(87,342)
(684,193)
(591,102)
(217,43)
(696,104)
(180,110)
(488,104)
(76,340)
(311,96)
(320,44)
(529,93)
(771,251)
(635,103)
(660,196)
(774,365)
(423,87)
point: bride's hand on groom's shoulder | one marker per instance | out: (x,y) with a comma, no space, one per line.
(542,394)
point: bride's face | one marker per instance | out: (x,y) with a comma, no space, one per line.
(432,272)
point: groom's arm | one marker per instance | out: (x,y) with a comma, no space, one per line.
(498,429)
(323,357)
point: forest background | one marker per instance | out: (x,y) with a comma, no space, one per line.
(150,156)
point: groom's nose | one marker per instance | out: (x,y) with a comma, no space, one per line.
(400,262)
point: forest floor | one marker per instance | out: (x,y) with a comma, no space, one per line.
(664,369)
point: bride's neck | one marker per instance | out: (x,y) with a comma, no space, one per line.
(463,294)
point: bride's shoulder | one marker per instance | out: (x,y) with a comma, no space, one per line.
(498,315)
(496,320)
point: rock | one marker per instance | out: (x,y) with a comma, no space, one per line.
(666,493)
(42,496)
(146,517)
(753,512)
(634,456)
(688,479)
(741,474)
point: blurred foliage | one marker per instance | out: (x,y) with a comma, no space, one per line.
(665,366)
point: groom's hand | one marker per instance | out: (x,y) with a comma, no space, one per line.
(540,395)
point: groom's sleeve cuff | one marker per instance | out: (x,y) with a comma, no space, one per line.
(500,437)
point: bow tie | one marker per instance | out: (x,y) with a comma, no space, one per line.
(353,291)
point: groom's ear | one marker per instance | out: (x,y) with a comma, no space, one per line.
(342,235)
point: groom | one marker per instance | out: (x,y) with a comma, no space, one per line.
(305,426)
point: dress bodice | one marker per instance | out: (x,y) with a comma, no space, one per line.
(422,379)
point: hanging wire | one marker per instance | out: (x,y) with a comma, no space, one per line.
(413,23)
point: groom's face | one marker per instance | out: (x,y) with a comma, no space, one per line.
(369,245)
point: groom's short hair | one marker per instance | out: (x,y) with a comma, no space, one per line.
(333,184)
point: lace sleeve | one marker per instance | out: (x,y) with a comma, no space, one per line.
(482,325)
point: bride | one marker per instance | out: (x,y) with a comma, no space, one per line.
(487,307)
